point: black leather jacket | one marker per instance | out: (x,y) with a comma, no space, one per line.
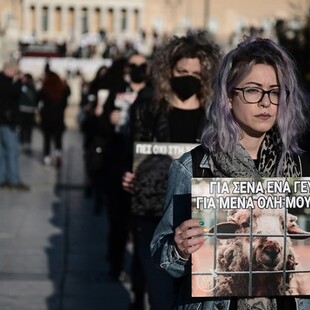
(150,123)
(10,92)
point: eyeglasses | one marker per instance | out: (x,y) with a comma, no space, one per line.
(255,94)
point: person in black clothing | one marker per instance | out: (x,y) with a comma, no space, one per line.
(53,100)
(89,97)
(28,104)
(114,126)
(182,72)
(10,91)
(95,138)
(87,118)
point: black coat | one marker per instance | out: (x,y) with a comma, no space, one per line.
(10,92)
(52,113)
(150,123)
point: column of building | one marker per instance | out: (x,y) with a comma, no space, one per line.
(51,20)
(65,30)
(77,22)
(26,19)
(133,20)
(103,18)
(116,26)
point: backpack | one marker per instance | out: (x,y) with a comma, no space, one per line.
(197,154)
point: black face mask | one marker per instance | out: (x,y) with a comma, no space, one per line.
(185,86)
(137,73)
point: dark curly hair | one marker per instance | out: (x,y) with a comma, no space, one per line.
(195,44)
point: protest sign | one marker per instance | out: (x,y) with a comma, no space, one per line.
(151,165)
(256,239)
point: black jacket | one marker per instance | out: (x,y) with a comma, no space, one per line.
(150,123)
(10,92)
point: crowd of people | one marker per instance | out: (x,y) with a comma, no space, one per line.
(161,99)
(239,108)
(24,105)
(247,110)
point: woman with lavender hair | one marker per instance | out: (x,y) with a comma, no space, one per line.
(255,122)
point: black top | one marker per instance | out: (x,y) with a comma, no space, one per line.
(10,92)
(184,124)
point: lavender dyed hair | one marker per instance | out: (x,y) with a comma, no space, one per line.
(222,132)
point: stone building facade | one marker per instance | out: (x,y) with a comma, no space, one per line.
(69,20)
(78,22)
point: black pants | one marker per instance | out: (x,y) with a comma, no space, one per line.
(146,276)
(118,208)
(26,126)
(50,136)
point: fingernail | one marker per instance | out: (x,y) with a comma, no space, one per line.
(201,223)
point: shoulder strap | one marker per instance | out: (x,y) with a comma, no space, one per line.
(197,155)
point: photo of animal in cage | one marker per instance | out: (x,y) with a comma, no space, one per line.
(256,239)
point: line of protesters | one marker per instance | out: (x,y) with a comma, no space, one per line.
(162,99)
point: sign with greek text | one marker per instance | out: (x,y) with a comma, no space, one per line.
(256,239)
(151,165)
(173,150)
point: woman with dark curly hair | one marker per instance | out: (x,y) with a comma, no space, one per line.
(182,72)
(183,69)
